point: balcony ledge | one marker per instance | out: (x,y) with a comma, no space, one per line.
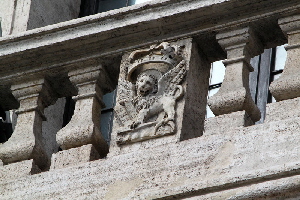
(234,164)
(132,27)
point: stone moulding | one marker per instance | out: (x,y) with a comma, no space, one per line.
(176,19)
(144,132)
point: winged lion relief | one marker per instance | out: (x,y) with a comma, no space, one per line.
(148,91)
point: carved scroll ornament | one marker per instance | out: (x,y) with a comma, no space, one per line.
(148,93)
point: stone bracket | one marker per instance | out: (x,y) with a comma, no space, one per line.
(26,142)
(84,127)
(234,94)
(287,86)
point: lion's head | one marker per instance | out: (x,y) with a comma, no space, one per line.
(147,82)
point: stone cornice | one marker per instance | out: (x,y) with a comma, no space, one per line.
(116,31)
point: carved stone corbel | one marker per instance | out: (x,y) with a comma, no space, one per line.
(26,142)
(287,86)
(234,94)
(84,127)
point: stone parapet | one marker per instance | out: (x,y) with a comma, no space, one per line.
(74,156)
(227,122)
(158,56)
(245,162)
(20,169)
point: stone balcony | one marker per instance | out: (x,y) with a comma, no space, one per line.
(184,155)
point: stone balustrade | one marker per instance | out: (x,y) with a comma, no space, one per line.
(86,58)
(234,95)
(84,127)
(288,85)
(34,92)
(25,143)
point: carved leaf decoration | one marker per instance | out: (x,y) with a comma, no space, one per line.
(168,83)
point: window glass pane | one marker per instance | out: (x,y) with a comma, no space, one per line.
(105,5)
(106,125)
(276,76)
(217,73)
(273,100)
(106,122)
(131,2)
(140,1)
(213,91)
(109,100)
(280,57)
(209,113)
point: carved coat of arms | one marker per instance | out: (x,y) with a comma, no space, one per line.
(147,93)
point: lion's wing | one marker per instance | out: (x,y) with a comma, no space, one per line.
(168,82)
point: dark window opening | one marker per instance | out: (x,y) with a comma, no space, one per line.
(90,7)
(69,110)
(5,127)
(107,115)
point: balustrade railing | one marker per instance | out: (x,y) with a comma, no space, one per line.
(164,42)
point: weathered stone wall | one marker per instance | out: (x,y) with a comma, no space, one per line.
(6,14)
(44,12)
(259,161)
(21,15)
